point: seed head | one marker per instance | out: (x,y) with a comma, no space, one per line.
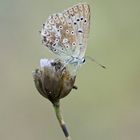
(53,80)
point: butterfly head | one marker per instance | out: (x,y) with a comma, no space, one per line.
(76,61)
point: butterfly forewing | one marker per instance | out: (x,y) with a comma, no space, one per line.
(66,33)
(80,18)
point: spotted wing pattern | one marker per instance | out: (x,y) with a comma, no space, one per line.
(66,33)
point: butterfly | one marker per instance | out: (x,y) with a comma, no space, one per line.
(66,33)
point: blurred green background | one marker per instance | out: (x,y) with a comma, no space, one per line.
(106,105)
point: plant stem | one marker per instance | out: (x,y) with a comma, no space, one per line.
(61,120)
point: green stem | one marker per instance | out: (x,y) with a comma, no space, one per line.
(60,119)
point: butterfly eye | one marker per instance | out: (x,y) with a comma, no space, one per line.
(82,18)
(83,60)
(75,23)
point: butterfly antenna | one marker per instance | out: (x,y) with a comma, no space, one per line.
(92,59)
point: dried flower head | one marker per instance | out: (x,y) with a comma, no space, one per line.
(53,80)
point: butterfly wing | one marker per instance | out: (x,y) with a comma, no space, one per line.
(66,33)
(80,19)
